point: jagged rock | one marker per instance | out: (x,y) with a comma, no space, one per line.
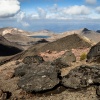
(64,60)
(82,76)
(94,53)
(42,41)
(23,69)
(85,30)
(38,77)
(98,31)
(33,59)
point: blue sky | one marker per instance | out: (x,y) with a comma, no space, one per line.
(27,13)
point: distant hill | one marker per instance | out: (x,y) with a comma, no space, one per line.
(12,30)
(68,42)
(43,33)
(8,48)
(73,41)
(17,36)
(92,35)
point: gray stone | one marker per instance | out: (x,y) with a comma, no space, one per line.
(94,53)
(33,59)
(64,60)
(23,69)
(38,78)
(82,76)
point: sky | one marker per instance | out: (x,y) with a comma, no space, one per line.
(37,14)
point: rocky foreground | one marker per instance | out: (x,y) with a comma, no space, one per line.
(65,78)
(66,69)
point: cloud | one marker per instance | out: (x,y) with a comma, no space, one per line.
(21,18)
(91,1)
(98,9)
(54,9)
(76,10)
(41,13)
(34,15)
(71,12)
(9,8)
(25,23)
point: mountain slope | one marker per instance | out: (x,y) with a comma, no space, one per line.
(8,48)
(92,35)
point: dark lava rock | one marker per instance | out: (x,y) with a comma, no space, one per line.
(42,41)
(98,31)
(85,30)
(38,77)
(33,59)
(22,69)
(64,60)
(94,53)
(82,76)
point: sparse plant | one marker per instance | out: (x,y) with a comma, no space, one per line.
(83,56)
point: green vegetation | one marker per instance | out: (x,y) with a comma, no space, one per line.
(83,56)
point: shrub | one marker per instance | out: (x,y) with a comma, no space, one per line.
(83,56)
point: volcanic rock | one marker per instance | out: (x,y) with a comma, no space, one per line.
(98,31)
(85,30)
(33,59)
(37,78)
(64,60)
(94,53)
(82,76)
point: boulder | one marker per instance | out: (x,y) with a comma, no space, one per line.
(33,59)
(82,76)
(37,78)
(64,60)
(22,70)
(94,53)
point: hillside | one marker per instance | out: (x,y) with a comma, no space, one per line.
(43,33)
(73,41)
(17,36)
(12,30)
(68,42)
(8,48)
(92,35)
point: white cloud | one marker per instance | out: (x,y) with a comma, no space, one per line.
(42,13)
(91,1)
(24,23)
(98,9)
(54,9)
(20,18)
(34,15)
(20,15)
(76,10)
(9,8)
